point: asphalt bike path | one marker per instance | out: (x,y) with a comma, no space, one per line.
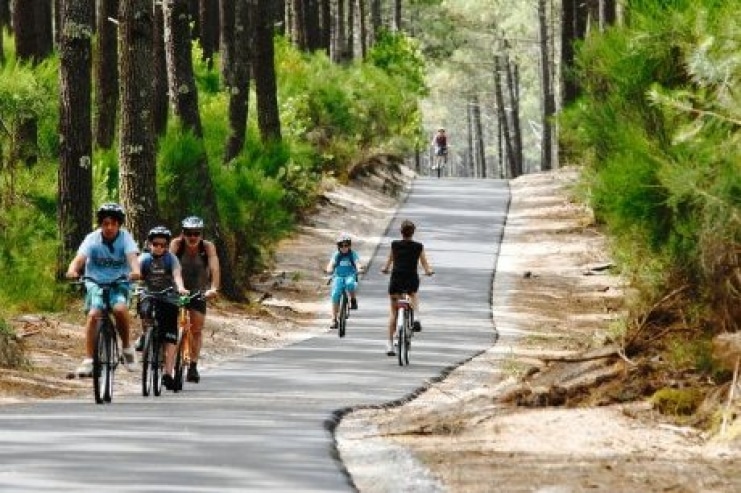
(263,423)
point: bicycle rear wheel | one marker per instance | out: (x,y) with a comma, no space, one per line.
(102,362)
(401,338)
(342,317)
(407,335)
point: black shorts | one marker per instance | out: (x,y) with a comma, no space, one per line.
(167,317)
(198,304)
(403,284)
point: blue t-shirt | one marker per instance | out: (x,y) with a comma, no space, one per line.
(345,265)
(107,262)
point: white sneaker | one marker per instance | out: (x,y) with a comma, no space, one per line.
(390,349)
(129,358)
(85,369)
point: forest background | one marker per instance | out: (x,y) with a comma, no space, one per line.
(148,103)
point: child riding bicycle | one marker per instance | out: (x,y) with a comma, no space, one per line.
(161,271)
(106,254)
(344,265)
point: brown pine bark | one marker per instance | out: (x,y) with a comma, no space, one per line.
(265,79)
(160,99)
(74,211)
(238,81)
(106,74)
(136,155)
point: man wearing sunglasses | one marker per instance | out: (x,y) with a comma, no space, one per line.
(200,270)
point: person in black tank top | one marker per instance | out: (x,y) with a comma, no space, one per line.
(405,257)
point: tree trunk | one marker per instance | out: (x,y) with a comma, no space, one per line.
(502,119)
(376,20)
(44,29)
(136,155)
(160,99)
(209,30)
(546,153)
(74,210)
(266,85)
(478,132)
(27,50)
(180,78)
(362,29)
(106,74)
(397,16)
(239,81)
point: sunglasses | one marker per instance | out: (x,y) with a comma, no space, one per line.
(192,233)
(344,245)
(159,244)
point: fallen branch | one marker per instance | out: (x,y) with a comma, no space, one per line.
(601,353)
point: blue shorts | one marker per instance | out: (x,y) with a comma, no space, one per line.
(94,297)
(349,283)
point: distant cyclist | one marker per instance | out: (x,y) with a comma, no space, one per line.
(200,265)
(405,256)
(345,265)
(161,270)
(105,255)
(440,146)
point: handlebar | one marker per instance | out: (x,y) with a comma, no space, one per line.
(184,299)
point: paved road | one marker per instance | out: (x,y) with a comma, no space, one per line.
(261,424)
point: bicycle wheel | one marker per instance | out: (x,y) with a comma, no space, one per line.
(147,358)
(342,317)
(102,359)
(157,362)
(401,339)
(407,335)
(182,357)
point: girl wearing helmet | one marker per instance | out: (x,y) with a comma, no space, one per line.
(161,270)
(106,255)
(405,256)
(344,264)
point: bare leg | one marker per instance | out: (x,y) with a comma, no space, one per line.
(197,319)
(392,317)
(121,313)
(90,323)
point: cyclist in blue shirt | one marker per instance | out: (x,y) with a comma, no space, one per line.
(345,265)
(106,255)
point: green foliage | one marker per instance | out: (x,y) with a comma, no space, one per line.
(659,125)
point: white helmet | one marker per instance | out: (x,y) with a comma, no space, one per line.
(344,239)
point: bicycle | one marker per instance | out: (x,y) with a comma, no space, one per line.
(344,312)
(153,353)
(440,159)
(107,354)
(185,339)
(404,327)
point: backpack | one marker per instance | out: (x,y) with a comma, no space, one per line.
(201,252)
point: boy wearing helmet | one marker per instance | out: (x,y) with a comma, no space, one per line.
(106,255)
(200,270)
(160,270)
(405,255)
(344,265)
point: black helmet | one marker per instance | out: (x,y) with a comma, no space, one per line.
(159,231)
(192,222)
(111,209)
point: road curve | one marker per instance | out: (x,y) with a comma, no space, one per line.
(261,424)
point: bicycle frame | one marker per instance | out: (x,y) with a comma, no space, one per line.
(185,341)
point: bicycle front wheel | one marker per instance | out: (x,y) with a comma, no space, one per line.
(342,316)
(182,358)
(102,368)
